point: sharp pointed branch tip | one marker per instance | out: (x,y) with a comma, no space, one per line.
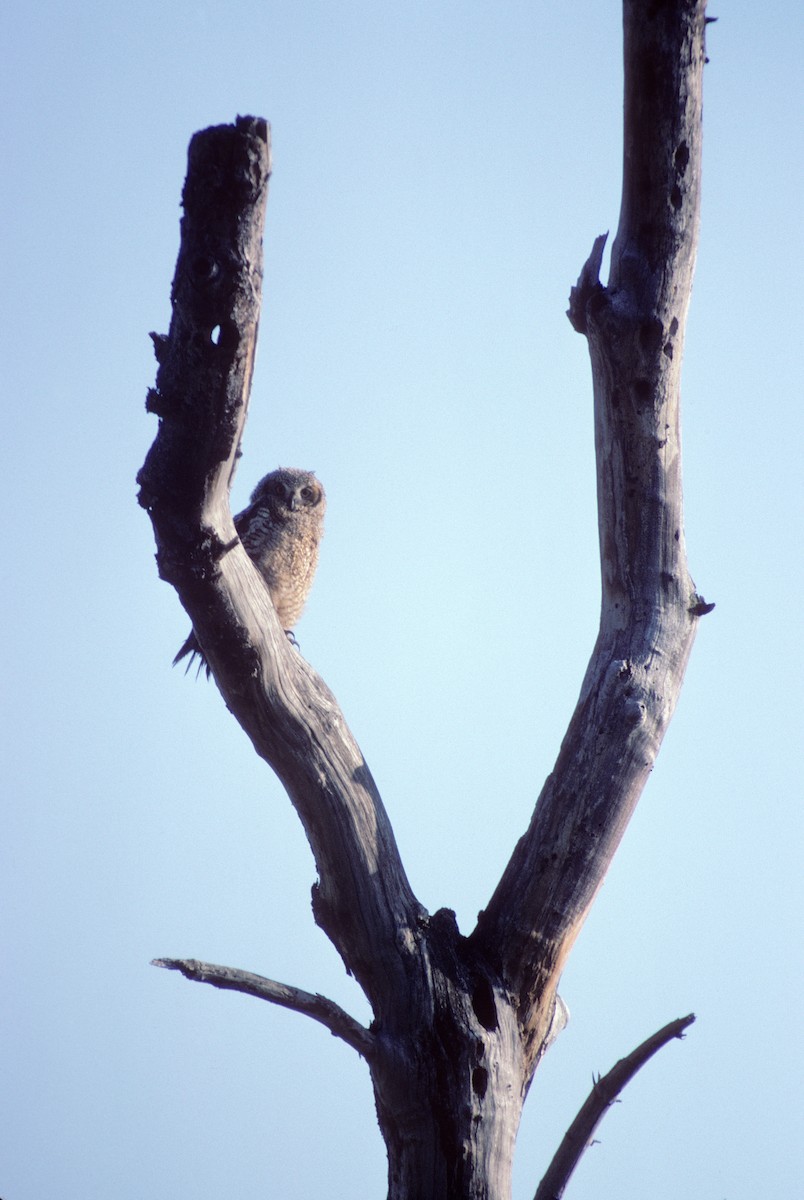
(587,286)
(699,607)
(605,1091)
(595,260)
(285,995)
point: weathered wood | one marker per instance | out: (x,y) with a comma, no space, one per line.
(312,1004)
(363,899)
(635,330)
(460,1023)
(604,1092)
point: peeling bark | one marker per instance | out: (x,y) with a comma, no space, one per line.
(460,1023)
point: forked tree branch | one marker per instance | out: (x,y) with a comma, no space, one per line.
(327,1012)
(603,1094)
(460,1022)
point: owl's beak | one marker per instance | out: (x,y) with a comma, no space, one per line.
(295,502)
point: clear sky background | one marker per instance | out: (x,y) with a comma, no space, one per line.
(441,170)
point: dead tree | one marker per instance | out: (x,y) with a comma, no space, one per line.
(460,1022)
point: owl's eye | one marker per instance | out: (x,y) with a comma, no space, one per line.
(308,495)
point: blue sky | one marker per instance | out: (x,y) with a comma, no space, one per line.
(440,172)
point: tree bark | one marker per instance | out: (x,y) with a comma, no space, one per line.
(460,1023)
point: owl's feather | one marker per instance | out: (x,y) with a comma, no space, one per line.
(280,530)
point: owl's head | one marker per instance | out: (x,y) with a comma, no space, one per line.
(289,490)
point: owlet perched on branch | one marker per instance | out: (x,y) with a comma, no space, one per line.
(280,531)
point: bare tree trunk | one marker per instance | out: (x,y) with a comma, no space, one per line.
(460,1023)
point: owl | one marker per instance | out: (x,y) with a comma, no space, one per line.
(280,531)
